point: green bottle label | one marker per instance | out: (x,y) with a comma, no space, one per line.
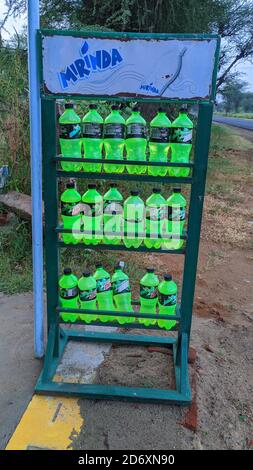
(176,213)
(159,134)
(155,213)
(135,130)
(112,206)
(114,131)
(147,292)
(70,131)
(121,287)
(181,135)
(87,295)
(104,285)
(68,294)
(70,208)
(92,209)
(92,130)
(168,300)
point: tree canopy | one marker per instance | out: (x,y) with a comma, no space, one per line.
(232,20)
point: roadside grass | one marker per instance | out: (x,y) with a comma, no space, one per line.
(227,204)
(236,115)
(15,257)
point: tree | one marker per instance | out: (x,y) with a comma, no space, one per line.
(232,93)
(232,20)
(235,27)
(247,102)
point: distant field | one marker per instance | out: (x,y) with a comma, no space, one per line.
(237,115)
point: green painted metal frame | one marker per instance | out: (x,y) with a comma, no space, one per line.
(58,336)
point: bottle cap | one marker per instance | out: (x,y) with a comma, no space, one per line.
(67,271)
(120,265)
(136,108)
(69,106)
(161,109)
(135,192)
(177,190)
(86,273)
(113,185)
(92,186)
(167,277)
(70,185)
(183,109)
(98,265)
(156,190)
(150,270)
(93,106)
(114,106)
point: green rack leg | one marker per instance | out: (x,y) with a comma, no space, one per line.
(195,215)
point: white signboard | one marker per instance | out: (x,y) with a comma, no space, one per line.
(148,68)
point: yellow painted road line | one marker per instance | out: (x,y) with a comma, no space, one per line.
(48,423)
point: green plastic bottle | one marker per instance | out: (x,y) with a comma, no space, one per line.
(70,138)
(155,219)
(159,143)
(181,143)
(114,140)
(176,219)
(71,214)
(136,141)
(167,301)
(122,293)
(92,208)
(134,220)
(92,138)
(148,295)
(68,294)
(113,215)
(104,292)
(87,288)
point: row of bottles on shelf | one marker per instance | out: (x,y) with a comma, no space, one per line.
(94,137)
(93,218)
(100,291)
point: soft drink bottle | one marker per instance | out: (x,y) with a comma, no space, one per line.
(175,220)
(104,292)
(92,209)
(148,295)
(167,301)
(113,215)
(155,219)
(181,143)
(134,220)
(159,143)
(87,296)
(92,138)
(70,138)
(71,214)
(122,293)
(136,141)
(114,140)
(68,294)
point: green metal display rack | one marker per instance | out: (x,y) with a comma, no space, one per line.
(58,336)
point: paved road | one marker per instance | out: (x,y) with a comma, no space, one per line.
(237,122)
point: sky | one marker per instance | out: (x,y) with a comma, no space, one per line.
(245,67)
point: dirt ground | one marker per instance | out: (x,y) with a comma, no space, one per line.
(222,376)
